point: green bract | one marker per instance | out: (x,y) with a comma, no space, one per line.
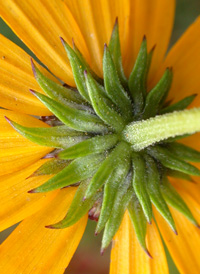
(110,144)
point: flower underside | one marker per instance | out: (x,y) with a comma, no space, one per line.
(108,143)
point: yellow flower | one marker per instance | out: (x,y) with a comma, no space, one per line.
(32,247)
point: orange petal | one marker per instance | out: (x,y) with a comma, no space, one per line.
(40,24)
(16,80)
(184,57)
(16,151)
(155,20)
(184,247)
(15,203)
(34,248)
(128,257)
(96,20)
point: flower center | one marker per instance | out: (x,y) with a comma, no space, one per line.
(116,142)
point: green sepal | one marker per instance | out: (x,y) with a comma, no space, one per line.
(100,104)
(178,174)
(174,199)
(180,105)
(54,90)
(91,146)
(113,224)
(140,185)
(112,188)
(138,220)
(78,170)
(59,137)
(184,152)
(113,87)
(153,179)
(85,64)
(78,207)
(78,68)
(51,167)
(115,50)
(106,168)
(171,161)
(137,79)
(155,96)
(73,118)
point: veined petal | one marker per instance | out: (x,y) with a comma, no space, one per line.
(16,151)
(16,80)
(184,247)
(34,248)
(96,20)
(15,203)
(185,60)
(40,24)
(155,20)
(128,257)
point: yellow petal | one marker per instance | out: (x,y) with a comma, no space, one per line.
(40,24)
(16,151)
(184,58)
(96,20)
(184,247)
(155,20)
(16,80)
(15,203)
(128,257)
(32,248)
(190,192)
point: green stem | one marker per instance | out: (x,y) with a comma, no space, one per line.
(144,133)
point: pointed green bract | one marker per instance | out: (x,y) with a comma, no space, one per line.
(155,96)
(78,170)
(115,50)
(178,174)
(91,146)
(54,90)
(51,167)
(102,109)
(85,64)
(59,137)
(114,88)
(138,220)
(181,105)
(78,70)
(169,160)
(184,152)
(137,79)
(140,185)
(112,187)
(153,178)
(78,207)
(174,199)
(76,119)
(115,219)
(107,167)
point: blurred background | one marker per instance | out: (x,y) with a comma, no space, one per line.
(87,259)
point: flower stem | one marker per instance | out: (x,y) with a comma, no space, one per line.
(144,133)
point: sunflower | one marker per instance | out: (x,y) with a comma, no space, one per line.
(105,129)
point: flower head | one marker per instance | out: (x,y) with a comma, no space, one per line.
(107,141)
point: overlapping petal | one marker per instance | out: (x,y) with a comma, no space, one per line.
(128,257)
(34,248)
(184,58)
(16,80)
(41,33)
(16,203)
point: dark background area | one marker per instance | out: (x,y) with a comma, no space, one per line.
(87,259)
